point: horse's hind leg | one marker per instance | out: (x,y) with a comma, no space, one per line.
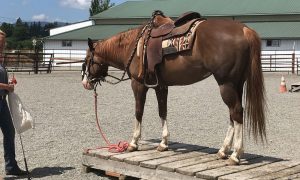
(222,154)
(162,96)
(232,96)
(140,92)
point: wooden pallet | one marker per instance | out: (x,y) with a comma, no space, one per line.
(185,161)
(295,87)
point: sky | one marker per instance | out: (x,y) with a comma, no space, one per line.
(46,10)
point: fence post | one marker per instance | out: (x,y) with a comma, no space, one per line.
(50,63)
(270,63)
(36,62)
(293,63)
(297,66)
(36,58)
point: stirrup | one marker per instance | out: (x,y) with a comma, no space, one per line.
(151,85)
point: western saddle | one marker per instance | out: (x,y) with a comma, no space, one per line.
(167,33)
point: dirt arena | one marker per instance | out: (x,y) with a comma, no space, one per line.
(65,121)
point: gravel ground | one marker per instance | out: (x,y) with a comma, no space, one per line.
(65,122)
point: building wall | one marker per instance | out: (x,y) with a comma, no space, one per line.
(63,54)
(284,45)
(57,44)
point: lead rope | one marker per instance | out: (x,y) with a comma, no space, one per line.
(115,148)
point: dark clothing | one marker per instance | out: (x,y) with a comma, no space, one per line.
(7,126)
(8,131)
(3,79)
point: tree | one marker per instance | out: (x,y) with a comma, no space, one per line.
(21,30)
(98,6)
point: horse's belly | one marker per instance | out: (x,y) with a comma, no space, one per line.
(183,75)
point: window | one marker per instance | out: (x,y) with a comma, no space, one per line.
(66,43)
(273,43)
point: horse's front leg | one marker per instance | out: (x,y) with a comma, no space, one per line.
(140,92)
(162,98)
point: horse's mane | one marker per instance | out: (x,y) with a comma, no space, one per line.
(111,47)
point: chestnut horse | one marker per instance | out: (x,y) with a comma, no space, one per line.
(226,49)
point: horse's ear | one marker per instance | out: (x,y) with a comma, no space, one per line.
(91,44)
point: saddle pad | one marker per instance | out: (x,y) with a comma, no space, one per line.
(180,43)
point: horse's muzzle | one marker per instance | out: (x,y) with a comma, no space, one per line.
(86,84)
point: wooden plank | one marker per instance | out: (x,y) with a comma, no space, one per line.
(172,166)
(121,157)
(100,153)
(165,175)
(155,162)
(281,174)
(248,164)
(146,147)
(290,177)
(293,177)
(137,159)
(260,171)
(105,154)
(193,169)
(115,166)
(177,148)
(130,170)
(142,151)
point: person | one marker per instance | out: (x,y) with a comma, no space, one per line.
(6,124)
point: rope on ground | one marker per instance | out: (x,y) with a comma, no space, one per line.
(115,148)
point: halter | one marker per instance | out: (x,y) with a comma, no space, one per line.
(98,80)
(87,71)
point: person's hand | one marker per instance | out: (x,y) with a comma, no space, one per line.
(11,87)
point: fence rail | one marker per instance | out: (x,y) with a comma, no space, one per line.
(28,62)
(71,60)
(281,62)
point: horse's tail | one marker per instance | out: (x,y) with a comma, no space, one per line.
(255,90)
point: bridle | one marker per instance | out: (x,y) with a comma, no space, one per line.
(91,62)
(86,69)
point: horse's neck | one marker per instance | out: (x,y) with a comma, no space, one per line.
(118,49)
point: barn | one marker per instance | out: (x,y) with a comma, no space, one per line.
(276,21)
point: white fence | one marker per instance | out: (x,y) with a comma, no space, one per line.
(272,61)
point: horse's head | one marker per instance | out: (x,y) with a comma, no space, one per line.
(94,69)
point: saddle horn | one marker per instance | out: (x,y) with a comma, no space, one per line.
(158,12)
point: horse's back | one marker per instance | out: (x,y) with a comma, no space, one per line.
(220,48)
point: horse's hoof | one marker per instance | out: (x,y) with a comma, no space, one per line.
(132,148)
(232,162)
(161,148)
(221,155)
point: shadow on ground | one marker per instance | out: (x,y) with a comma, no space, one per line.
(43,172)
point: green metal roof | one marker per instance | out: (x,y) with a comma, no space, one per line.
(95,32)
(266,30)
(210,8)
(278,30)
(173,8)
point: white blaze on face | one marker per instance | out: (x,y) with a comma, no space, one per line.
(86,84)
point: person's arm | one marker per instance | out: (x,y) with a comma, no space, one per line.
(8,87)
